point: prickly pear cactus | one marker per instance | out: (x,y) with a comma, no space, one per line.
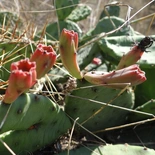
(34,121)
(147,107)
(105,26)
(30,123)
(146,90)
(93,105)
(142,134)
(80,13)
(68,14)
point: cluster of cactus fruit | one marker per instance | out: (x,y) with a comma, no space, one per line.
(97,94)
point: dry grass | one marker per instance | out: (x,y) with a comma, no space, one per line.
(37,13)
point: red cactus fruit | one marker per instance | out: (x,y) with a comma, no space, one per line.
(68,45)
(45,58)
(22,77)
(96,61)
(118,79)
(130,58)
(135,53)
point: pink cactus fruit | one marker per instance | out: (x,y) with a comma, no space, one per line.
(97,61)
(45,58)
(118,78)
(22,77)
(130,58)
(135,53)
(68,45)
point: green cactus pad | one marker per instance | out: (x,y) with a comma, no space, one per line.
(145,91)
(35,121)
(141,134)
(79,105)
(111,150)
(105,25)
(148,107)
(81,12)
(64,8)
(38,107)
